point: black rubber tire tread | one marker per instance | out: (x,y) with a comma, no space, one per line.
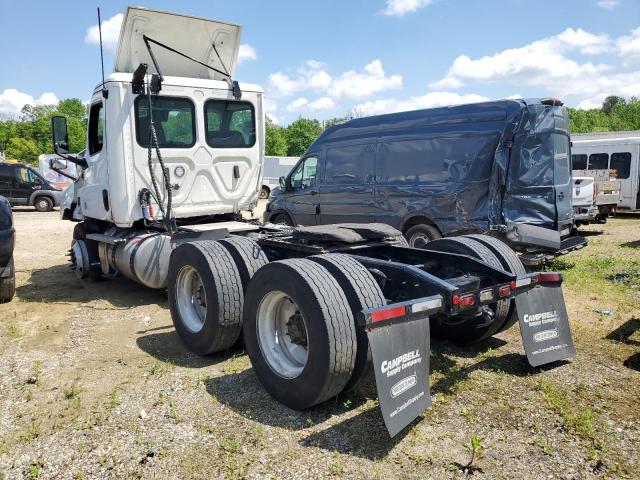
(363,292)
(284,219)
(223,284)
(510,262)
(501,308)
(49,206)
(430,230)
(8,284)
(318,381)
(247,254)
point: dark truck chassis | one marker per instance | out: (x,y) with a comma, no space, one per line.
(422,292)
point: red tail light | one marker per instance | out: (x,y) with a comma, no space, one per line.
(393,312)
(504,291)
(547,277)
(464,301)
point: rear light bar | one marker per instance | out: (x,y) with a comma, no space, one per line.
(388,313)
(547,277)
(419,308)
(504,291)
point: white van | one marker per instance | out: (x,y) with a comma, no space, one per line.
(612,159)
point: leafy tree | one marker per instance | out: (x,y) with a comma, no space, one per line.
(22,149)
(300,134)
(275,141)
(610,102)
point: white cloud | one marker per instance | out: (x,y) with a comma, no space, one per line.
(12,101)
(246,52)
(324,103)
(297,104)
(313,76)
(429,100)
(608,4)
(546,64)
(447,83)
(515,96)
(399,8)
(628,47)
(110,32)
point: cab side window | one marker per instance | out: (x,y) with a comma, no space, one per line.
(304,176)
(96,128)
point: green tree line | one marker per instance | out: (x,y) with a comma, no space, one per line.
(29,135)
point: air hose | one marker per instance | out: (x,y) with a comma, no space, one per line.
(154,145)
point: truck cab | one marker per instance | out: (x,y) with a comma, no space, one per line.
(211,137)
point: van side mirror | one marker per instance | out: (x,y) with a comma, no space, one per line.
(55,164)
(283,183)
(59,134)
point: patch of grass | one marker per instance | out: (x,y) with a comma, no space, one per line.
(12,332)
(35,375)
(337,467)
(230,445)
(235,364)
(34,469)
(33,431)
(73,391)
(113,400)
(235,470)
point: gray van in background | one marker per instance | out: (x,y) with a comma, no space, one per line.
(274,168)
(498,167)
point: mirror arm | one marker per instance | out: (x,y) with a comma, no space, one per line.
(81,162)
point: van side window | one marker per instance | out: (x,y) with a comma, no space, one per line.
(22,174)
(230,124)
(96,128)
(414,161)
(599,161)
(173,117)
(579,161)
(304,175)
(561,169)
(620,165)
(349,165)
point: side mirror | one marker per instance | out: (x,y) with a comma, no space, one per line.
(56,164)
(59,134)
(283,183)
(37,181)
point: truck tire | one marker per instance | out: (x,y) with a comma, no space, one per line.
(8,284)
(43,204)
(470,330)
(292,305)
(420,235)
(249,257)
(93,270)
(510,262)
(205,296)
(362,292)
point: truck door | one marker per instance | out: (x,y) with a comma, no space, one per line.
(562,182)
(346,191)
(302,192)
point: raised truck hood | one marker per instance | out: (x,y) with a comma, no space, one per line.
(192,36)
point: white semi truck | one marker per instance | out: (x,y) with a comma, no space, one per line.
(174,155)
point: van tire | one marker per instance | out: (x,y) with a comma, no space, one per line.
(362,292)
(419,235)
(510,262)
(470,330)
(264,193)
(328,326)
(282,219)
(222,287)
(43,204)
(8,284)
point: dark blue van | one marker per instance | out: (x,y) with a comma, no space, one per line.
(499,167)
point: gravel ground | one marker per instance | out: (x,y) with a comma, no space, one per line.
(94,383)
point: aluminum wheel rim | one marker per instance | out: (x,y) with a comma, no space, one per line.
(418,239)
(282,334)
(191,299)
(43,204)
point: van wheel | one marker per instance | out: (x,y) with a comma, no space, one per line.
(363,292)
(419,235)
(8,284)
(510,262)
(43,204)
(264,193)
(282,219)
(462,329)
(299,332)
(205,296)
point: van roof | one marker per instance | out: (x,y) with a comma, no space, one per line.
(493,111)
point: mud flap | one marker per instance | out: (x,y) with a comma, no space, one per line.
(544,325)
(400,351)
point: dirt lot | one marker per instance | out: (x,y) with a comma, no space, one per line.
(94,383)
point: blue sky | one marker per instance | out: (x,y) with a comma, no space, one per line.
(325,59)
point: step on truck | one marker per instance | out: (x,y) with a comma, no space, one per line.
(174,155)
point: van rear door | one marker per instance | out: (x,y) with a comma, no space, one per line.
(562,182)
